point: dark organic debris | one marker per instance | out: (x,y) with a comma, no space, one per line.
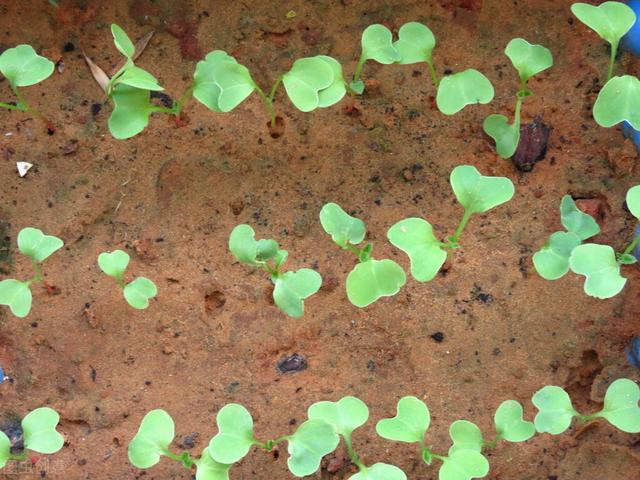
(533,145)
(479,295)
(292,363)
(165,99)
(438,337)
(12,428)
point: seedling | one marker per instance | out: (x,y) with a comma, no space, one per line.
(137,292)
(23,67)
(377,44)
(414,236)
(618,102)
(38,247)
(290,288)
(370,279)
(39,435)
(528,60)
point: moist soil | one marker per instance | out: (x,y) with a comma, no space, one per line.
(485,330)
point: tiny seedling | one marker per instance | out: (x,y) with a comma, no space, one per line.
(39,435)
(370,279)
(290,288)
(137,292)
(528,60)
(377,44)
(414,236)
(23,67)
(38,247)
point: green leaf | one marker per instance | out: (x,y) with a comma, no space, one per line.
(307,77)
(131,111)
(627,259)
(510,423)
(618,101)
(465,436)
(291,288)
(154,436)
(333,93)
(345,415)
(372,279)
(576,221)
(113,263)
(280,257)
(342,227)
(555,410)
(5,449)
(506,135)
(415,43)
(122,41)
(478,193)
(39,431)
(23,67)
(235,434)
(528,60)
(414,236)
(599,265)
(410,423)
(610,20)
(461,89)
(621,405)
(633,201)
(208,469)
(313,440)
(138,78)
(17,296)
(377,45)
(138,292)
(357,86)
(552,260)
(464,465)
(380,471)
(36,245)
(246,249)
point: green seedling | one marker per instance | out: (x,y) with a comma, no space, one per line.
(137,292)
(39,435)
(23,67)
(610,20)
(370,279)
(528,60)
(476,193)
(38,247)
(377,44)
(290,288)
(618,101)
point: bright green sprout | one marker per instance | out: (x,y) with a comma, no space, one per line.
(414,236)
(510,424)
(137,292)
(528,60)
(23,67)
(39,434)
(377,44)
(618,101)
(461,89)
(38,247)
(370,279)
(290,288)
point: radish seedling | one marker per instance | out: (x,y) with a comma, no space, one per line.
(617,102)
(370,279)
(290,288)
(39,435)
(414,236)
(376,44)
(23,67)
(528,60)
(38,247)
(137,292)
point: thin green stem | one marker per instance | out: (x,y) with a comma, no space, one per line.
(631,246)
(612,59)
(272,92)
(172,456)
(268,103)
(37,276)
(184,99)
(8,106)
(269,444)
(434,75)
(463,223)
(353,456)
(170,111)
(438,457)
(356,74)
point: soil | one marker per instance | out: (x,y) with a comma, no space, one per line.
(487,329)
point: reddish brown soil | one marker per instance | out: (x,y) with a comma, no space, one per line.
(170,197)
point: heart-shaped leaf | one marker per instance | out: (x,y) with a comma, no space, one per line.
(113,263)
(410,423)
(17,296)
(618,101)
(506,135)
(246,249)
(154,436)
(342,227)
(510,424)
(555,410)
(552,260)
(610,20)
(599,265)
(39,431)
(305,79)
(461,89)
(528,60)
(333,93)
(464,465)
(291,288)
(23,67)
(235,434)
(380,471)
(138,292)
(345,415)
(313,440)
(138,78)
(208,469)
(477,193)
(415,43)
(370,280)
(621,405)
(5,449)
(122,41)
(633,201)
(377,44)
(131,111)
(576,221)
(465,436)
(36,245)
(414,236)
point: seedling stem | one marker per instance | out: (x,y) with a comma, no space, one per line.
(268,99)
